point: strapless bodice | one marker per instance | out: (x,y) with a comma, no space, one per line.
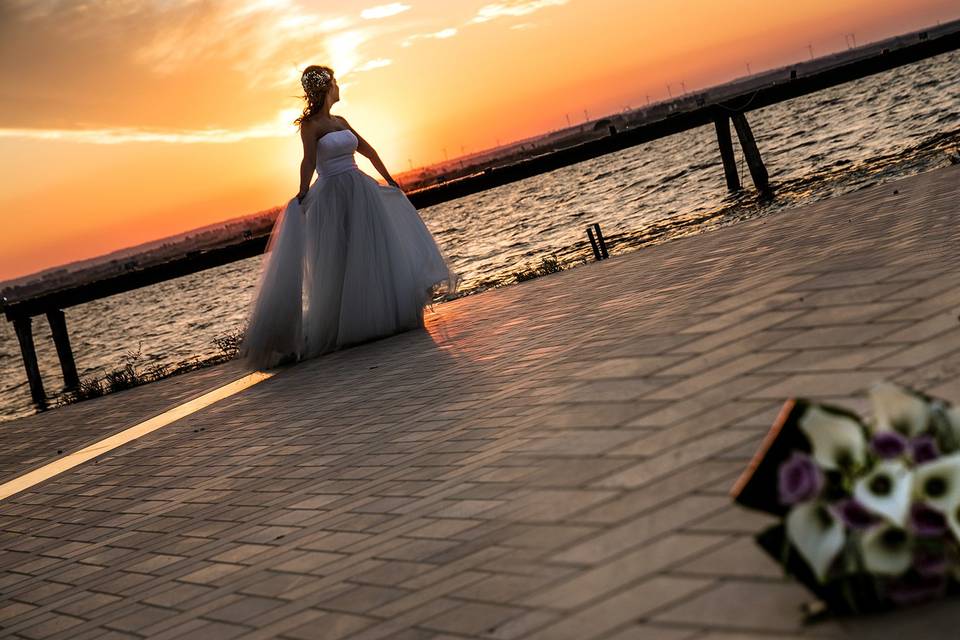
(335,151)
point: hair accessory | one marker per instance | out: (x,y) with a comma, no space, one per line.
(314,81)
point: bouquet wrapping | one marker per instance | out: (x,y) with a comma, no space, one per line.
(869,509)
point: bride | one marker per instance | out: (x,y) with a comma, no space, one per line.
(348,260)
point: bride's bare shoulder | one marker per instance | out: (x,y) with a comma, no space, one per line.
(308,128)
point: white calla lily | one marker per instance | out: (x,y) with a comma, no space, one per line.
(886,491)
(952,415)
(938,482)
(817,535)
(836,439)
(886,550)
(897,409)
(953,521)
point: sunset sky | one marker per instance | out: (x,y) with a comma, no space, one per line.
(123,121)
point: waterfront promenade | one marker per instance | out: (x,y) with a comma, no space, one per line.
(549,460)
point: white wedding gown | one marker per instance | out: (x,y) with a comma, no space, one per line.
(352,263)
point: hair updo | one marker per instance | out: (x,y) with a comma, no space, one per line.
(316,81)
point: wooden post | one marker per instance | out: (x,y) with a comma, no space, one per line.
(593,244)
(600,241)
(722,125)
(58,326)
(749,145)
(24,328)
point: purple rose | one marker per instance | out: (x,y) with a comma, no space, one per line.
(888,444)
(924,449)
(926,522)
(854,515)
(913,588)
(799,479)
(930,563)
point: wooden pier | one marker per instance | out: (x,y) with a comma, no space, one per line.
(683,114)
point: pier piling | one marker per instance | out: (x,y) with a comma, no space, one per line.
(58,327)
(593,245)
(596,241)
(758,171)
(722,125)
(24,328)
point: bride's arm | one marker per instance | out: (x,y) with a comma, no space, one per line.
(309,162)
(364,149)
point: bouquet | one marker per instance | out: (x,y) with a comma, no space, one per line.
(870,509)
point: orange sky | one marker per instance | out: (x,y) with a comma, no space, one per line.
(126,122)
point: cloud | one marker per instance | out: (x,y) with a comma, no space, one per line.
(281,127)
(377,63)
(513,8)
(488,12)
(443,34)
(384,11)
(178,70)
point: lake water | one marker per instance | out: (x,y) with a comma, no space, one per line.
(877,129)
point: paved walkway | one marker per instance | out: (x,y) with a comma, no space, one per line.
(550,461)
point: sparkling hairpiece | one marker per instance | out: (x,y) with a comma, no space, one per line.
(314,81)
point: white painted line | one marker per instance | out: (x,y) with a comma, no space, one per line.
(70,461)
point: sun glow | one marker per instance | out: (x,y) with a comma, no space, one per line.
(179,114)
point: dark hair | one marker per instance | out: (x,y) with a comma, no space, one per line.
(312,94)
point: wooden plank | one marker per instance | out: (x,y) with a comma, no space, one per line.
(58,327)
(722,125)
(761,180)
(24,328)
(135,279)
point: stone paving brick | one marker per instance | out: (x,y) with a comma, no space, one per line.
(597,415)
(766,340)
(363,598)
(660,492)
(633,603)
(140,617)
(244,609)
(723,417)
(878,312)
(635,532)
(733,519)
(735,316)
(47,625)
(694,452)
(823,384)
(407,621)
(699,382)
(600,581)
(740,330)
(504,589)
(518,470)
(473,618)
(707,401)
(859,294)
(331,625)
(759,606)
(627,367)
(848,335)
(747,635)
(732,558)
(653,632)
(837,359)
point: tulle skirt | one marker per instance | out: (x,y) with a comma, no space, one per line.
(352,263)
